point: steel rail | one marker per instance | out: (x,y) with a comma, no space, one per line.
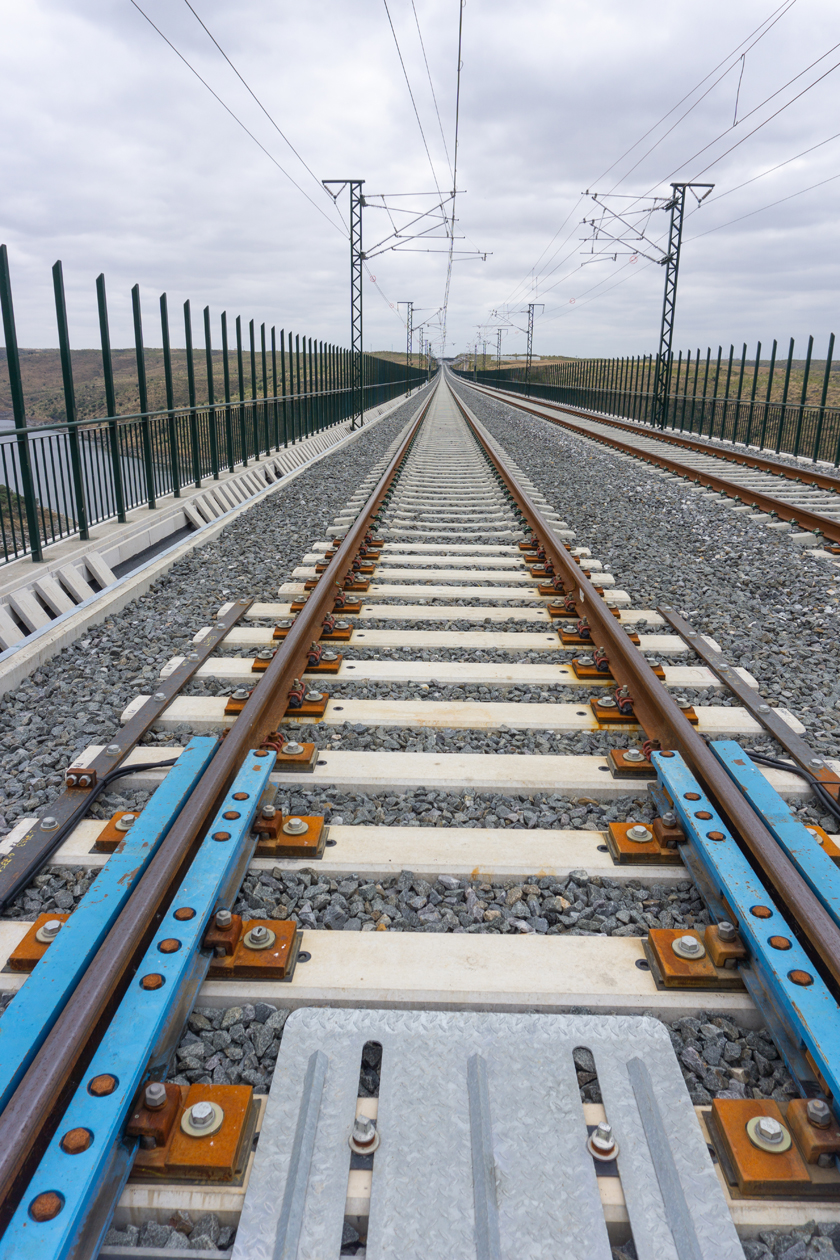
(811,478)
(35,1109)
(662,720)
(812,521)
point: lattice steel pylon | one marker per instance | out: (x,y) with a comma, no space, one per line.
(671,263)
(357,257)
(409,337)
(530,350)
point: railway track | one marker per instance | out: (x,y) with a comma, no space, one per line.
(788,493)
(465,1070)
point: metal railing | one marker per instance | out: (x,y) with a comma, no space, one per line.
(748,402)
(59,479)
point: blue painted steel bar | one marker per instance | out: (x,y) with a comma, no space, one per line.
(801,846)
(138,1043)
(810,1012)
(38,1004)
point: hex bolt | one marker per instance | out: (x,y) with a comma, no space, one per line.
(669,818)
(202,1115)
(313,697)
(769,1130)
(688,947)
(364,1131)
(635,755)
(639,834)
(268,811)
(291,749)
(241,693)
(159,696)
(258,934)
(603,1137)
(295,827)
(124,823)
(154,1096)
(726,930)
(112,750)
(764,708)
(223,919)
(816,762)
(819,1113)
(49,930)
(49,823)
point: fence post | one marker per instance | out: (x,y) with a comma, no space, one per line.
(737,421)
(265,389)
(298,414)
(752,393)
(254,409)
(140,356)
(211,396)
(800,413)
(228,416)
(19,410)
(274,386)
(110,397)
(241,375)
(767,398)
(70,402)
(174,453)
(783,419)
(283,384)
(823,396)
(196,461)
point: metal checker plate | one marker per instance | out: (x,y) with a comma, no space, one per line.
(424,1202)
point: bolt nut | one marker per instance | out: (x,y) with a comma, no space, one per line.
(291,749)
(48,931)
(154,1096)
(127,821)
(268,811)
(364,1138)
(819,1113)
(313,697)
(159,696)
(202,1115)
(769,1130)
(669,818)
(295,827)
(726,930)
(49,823)
(601,1142)
(112,750)
(241,693)
(639,834)
(259,937)
(816,762)
(634,754)
(223,919)
(688,947)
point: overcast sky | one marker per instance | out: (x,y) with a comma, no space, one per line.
(116,158)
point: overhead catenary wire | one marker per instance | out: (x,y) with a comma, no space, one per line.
(238,120)
(445,310)
(432,87)
(411,94)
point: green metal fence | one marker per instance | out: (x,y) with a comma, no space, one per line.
(772,404)
(60,478)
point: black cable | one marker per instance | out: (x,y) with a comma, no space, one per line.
(40,859)
(773,763)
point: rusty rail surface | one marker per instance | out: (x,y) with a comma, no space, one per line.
(813,521)
(34,1111)
(662,720)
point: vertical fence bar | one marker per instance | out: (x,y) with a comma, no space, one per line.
(297,388)
(196,464)
(801,411)
(783,419)
(265,389)
(226,371)
(283,384)
(110,397)
(243,453)
(737,419)
(140,356)
(211,396)
(70,402)
(274,387)
(174,452)
(253,350)
(768,395)
(823,397)
(19,414)
(752,393)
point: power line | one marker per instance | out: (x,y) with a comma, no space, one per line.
(432,87)
(411,94)
(250,90)
(237,120)
(769,206)
(454,174)
(771,169)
